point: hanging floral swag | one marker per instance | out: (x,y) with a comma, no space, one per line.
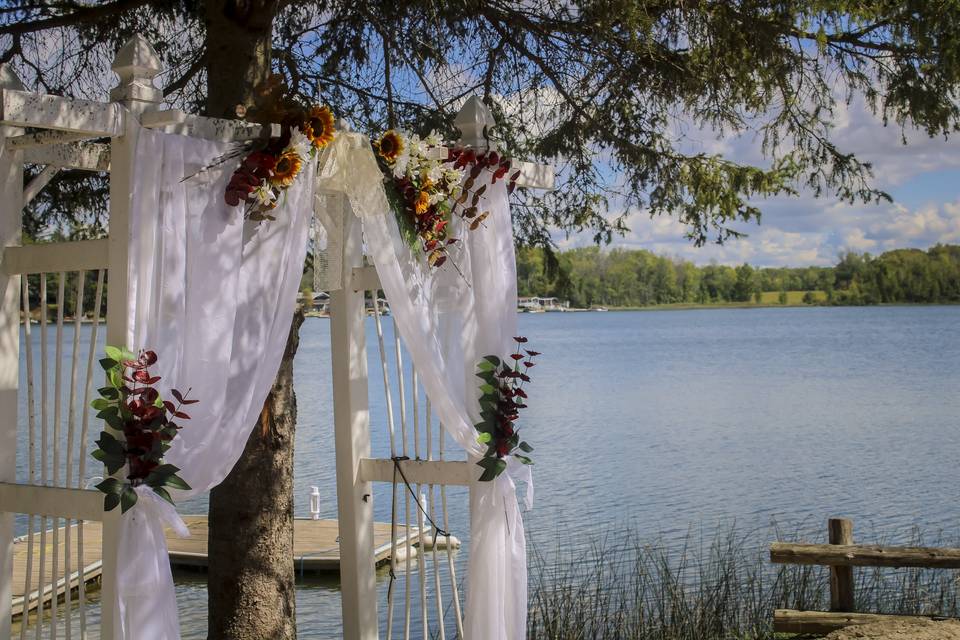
(270,166)
(129,403)
(427,183)
(502,397)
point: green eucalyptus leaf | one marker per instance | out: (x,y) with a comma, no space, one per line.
(108,363)
(177,482)
(110,393)
(114,421)
(109,444)
(111,486)
(523,459)
(114,463)
(492,467)
(114,353)
(525,447)
(127,499)
(110,501)
(163,493)
(484,437)
(100,404)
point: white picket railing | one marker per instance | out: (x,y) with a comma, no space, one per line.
(58,388)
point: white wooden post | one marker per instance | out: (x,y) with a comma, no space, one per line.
(11,206)
(358,585)
(473,120)
(136,65)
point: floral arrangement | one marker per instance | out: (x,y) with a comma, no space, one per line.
(271,166)
(428,183)
(502,398)
(130,403)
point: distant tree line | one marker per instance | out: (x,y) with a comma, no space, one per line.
(623,277)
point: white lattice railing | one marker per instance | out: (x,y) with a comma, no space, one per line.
(60,370)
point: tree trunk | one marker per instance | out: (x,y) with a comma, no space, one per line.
(251,573)
(239,39)
(251,579)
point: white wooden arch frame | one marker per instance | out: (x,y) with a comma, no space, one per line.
(61,136)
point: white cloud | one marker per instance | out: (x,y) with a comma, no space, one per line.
(805,230)
(788,237)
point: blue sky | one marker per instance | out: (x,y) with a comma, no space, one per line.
(923,177)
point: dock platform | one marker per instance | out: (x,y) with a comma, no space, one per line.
(316,549)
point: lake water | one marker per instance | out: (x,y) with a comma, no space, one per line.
(665,421)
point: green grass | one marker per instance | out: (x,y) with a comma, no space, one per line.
(722,589)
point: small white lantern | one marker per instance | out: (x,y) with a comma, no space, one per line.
(315,503)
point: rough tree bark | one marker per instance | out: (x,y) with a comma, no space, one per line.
(251,578)
(251,574)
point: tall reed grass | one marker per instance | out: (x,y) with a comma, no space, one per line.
(722,588)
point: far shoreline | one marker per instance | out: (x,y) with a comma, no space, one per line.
(693,306)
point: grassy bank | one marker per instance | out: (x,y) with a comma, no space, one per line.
(628,589)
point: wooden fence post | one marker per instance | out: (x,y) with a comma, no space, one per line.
(11,209)
(351,419)
(136,64)
(841,578)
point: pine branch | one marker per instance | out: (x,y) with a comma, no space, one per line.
(82,15)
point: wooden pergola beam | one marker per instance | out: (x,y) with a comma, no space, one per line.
(92,119)
(86,156)
(44,138)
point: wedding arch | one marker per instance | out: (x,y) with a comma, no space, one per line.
(172,251)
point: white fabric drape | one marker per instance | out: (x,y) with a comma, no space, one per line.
(448,323)
(214,296)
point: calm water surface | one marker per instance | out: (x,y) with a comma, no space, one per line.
(663,421)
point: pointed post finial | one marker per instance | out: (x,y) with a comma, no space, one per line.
(137,64)
(474,121)
(9,78)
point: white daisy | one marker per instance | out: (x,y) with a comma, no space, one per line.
(299,144)
(264,194)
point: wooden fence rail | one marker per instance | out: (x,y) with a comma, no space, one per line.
(842,555)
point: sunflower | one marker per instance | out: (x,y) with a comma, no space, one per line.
(422,203)
(319,127)
(390,146)
(286,169)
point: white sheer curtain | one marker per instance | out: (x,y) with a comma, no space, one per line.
(214,297)
(448,322)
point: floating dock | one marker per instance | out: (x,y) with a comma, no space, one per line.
(316,549)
